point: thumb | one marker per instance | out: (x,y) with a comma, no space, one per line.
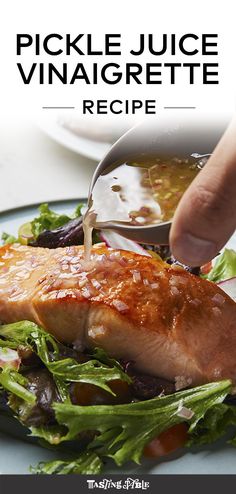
(206,215)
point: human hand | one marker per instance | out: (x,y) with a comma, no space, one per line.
(206,215)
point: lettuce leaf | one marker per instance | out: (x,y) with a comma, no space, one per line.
(46,220)
(7,238)
(124,430)
(215,424)
(15,383)
(116,431)
(64,370)
(224,267)
(93,372)
(87,463)
(49,220)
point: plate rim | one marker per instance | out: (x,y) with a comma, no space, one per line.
(32,205)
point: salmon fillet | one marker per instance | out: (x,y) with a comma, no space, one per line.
(170,323)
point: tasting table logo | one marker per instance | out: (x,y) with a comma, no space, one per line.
(126,484)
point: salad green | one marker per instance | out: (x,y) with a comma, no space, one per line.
(46,220)
(126,429)
(7,238)
(49,220)
(224,267)
(87,463)
(116,431)
(121,431)
(95,371)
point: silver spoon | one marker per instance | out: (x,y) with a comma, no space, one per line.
(160,138)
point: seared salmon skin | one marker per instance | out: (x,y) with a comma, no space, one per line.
(170,323)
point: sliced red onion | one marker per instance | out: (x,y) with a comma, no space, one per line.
(123,261)
(154,286)
(136,276)
(229,287)
(96,284)
(83,282)
(116,241)
(9,359)
(120,306)
(185,413)
(86,292)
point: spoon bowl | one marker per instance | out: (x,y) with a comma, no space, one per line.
(159,138)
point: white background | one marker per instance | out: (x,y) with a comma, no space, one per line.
(128,18)
(32,168)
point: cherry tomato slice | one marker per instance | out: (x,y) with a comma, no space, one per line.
(87,394)
(167,442)
(205,269)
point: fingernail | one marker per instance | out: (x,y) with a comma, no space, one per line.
(193,250)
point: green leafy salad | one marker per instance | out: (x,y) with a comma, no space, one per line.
(47,220)
(91,408)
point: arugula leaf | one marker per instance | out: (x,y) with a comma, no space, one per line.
(67,369)
(87,463)
(126,429)
(224,267)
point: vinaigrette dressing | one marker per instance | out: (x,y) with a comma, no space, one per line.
(141,193)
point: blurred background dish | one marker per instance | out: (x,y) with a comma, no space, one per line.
(34,167)
(89,137)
